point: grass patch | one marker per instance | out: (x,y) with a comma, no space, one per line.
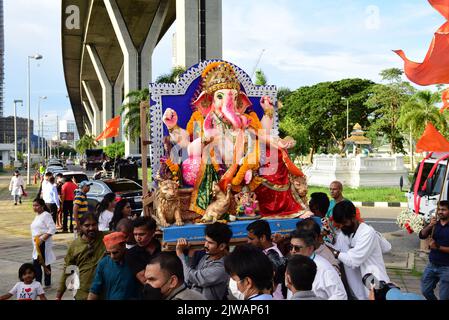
(367,194)
(150,179)
(416,273)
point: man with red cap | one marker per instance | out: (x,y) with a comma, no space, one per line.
(114,279)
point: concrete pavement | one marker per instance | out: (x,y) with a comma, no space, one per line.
(15,240)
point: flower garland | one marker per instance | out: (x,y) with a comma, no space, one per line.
(410,221)
(174,168)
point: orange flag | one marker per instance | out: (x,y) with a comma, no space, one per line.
(432,141)
(435,67)
(112,129)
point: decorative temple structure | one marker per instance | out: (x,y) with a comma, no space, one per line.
(357,142)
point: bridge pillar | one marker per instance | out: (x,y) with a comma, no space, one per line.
(90,116)
(106,89)
(96,127)
(118,99)
(198,31)
(130,64)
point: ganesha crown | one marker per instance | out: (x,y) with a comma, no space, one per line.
(219,76)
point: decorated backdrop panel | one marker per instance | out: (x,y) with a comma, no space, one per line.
(180,96)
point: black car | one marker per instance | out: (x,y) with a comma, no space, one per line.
(123,189)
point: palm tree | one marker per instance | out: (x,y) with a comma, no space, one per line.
(171,77)
(419,111)
(86,142)
(131,113)
(131,110)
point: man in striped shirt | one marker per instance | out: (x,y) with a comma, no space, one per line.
(80,206)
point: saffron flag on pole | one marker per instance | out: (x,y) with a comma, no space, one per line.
(432,141)
(112,129)
(435,67)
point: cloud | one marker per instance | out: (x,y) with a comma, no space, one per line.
(324,41)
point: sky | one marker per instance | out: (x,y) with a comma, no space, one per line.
(298,42)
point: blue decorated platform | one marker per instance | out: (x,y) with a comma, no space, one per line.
(194,233)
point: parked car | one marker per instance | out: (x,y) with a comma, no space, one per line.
(79,175)
(55,169)
(123,189)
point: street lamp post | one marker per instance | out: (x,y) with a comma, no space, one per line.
(15,128)
(35,57)
(347,116)
(39,144)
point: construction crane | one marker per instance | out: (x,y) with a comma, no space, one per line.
(257,64)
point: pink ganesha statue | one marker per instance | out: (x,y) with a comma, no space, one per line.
(228,144)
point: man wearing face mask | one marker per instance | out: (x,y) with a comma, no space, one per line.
(359,247)
(85,252)
(165,280)
(252,271)
(327,284)
(209,276)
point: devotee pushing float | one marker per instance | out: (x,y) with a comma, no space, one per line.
(228,144)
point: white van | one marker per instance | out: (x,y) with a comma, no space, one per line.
(431,194)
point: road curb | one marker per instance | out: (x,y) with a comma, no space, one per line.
(381,204)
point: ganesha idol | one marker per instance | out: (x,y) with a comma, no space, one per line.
(227,143)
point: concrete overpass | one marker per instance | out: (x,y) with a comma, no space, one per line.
(107,48)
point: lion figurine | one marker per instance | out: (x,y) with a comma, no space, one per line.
(168,204)
(220,206)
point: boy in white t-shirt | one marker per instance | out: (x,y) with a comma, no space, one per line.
(27,288)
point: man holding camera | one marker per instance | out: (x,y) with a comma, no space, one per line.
(438,268)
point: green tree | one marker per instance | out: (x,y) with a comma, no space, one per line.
(322,112)
(261,79)
(66,149)
(131,113)
(171,77)
(386,101)
(282,95)
(115,150)
(86,142)
(290,127)
(419,111)
(131,110)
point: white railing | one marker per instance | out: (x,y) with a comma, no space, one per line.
(356,171)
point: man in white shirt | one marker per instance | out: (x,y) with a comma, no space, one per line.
(359,247)
(327,284)
(50,195)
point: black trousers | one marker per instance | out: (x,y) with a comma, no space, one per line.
(38,268)
(67,208)
(53,210)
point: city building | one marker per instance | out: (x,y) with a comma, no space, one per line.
(7,129)
(67,128)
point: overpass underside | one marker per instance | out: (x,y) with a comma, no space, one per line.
(107,50)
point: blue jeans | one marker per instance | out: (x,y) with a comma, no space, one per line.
(432,275)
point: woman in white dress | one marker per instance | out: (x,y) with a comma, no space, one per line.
(42,230)
(105,211)
(16,186)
